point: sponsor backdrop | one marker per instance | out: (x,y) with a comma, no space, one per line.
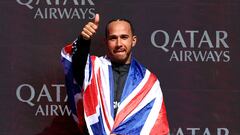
(192,46)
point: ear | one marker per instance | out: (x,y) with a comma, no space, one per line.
(134,41)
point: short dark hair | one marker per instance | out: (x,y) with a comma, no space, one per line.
(119,19)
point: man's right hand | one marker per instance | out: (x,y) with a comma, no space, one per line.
(90,28)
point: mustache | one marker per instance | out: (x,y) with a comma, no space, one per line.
(119,49)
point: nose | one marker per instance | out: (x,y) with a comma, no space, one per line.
(119,41)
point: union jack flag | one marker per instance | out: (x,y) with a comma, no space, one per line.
(141,109)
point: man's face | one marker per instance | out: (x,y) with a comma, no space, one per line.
(120,42)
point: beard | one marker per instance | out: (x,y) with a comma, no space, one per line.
(120,58)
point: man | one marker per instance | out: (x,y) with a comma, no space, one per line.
(115,93)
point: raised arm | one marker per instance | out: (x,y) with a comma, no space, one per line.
(90,28)
(81,49)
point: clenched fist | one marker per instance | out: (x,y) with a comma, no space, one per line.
(90,28)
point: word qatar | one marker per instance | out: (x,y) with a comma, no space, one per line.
(32,3)
(179,40)
(200,131)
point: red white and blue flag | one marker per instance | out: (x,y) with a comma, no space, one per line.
(141,109)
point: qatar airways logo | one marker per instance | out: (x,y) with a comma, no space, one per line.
(46,100)
(60,9)
(200,131)
(193,45)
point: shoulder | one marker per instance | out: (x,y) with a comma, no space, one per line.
(101,61)
(67,49)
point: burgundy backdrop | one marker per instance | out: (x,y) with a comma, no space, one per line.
(192,46)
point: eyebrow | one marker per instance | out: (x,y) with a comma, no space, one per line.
(119,35)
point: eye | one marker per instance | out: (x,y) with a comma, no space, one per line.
(112,37)
(125,37)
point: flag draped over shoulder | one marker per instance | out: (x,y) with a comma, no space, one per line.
(141,109)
